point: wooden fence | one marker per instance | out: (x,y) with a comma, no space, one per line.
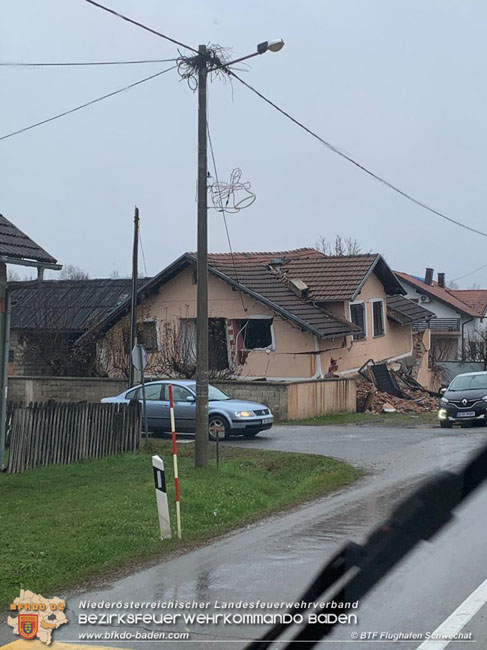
(46,433)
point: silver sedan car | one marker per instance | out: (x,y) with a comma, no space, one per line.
(227,416)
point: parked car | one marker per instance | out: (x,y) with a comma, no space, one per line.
(464,401)
(227,416)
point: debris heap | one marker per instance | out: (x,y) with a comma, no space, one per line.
(415,399)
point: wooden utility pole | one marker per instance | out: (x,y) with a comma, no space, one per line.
(201,440)
(133,311)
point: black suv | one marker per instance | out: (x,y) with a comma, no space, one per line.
(465,400)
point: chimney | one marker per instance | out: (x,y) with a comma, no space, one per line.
(299,287)
(441,280)
(428,278)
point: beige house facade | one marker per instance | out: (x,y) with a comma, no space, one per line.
(287,315)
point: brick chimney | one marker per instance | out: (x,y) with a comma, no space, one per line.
(428,278)
(441,280)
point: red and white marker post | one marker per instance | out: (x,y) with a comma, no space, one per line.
(175,459)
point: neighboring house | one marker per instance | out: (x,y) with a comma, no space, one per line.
(459,313)
(283,315)
(48,317)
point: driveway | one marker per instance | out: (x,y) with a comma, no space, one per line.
(275,559)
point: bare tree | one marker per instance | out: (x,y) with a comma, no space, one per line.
(174,354)
(443,349)
(48,345)
(71,272)
(475,348)
(339,247)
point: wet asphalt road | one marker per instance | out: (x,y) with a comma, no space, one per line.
(277,558)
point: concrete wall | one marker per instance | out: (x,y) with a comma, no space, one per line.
(309,399)
(65,389)
(298,399)
(287,400)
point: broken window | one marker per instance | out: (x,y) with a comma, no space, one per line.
(378,316)
(357,315)
(256,333)
(147,335)
(217,342)
(187,338)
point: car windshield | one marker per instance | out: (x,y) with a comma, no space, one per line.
(469,382)
(216,394)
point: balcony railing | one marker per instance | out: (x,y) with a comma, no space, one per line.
(439,325)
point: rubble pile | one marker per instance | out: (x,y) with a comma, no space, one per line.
(415,400)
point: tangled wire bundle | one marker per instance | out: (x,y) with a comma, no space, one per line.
(223,195)
(216,57)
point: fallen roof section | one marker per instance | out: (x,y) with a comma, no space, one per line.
(404,311)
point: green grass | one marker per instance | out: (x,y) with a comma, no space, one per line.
(428,419)
(62,526)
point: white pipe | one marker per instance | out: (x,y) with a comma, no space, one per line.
(318,374)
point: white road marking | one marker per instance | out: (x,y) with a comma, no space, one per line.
(457,620)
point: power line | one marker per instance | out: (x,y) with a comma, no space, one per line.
(224,217)
(143,254)
(35,64)
(142,26)
(484,266)
(330,146)
(90,103)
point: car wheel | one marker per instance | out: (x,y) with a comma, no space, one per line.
(251,434)
(446,424)
(218,428)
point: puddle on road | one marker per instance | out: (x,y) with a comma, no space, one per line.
(353,522)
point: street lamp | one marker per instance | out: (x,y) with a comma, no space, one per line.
(267,46)
(204,65)
(274,46)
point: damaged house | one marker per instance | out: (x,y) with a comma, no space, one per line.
(295,314)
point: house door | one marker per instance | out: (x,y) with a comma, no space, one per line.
(217,344)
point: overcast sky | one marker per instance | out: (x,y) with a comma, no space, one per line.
(398,85)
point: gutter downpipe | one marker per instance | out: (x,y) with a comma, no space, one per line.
(463,336)
(319,373)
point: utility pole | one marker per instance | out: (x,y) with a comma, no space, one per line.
(133,312)
(201,439)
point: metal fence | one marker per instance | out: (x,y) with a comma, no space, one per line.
(47,433)
(439,325)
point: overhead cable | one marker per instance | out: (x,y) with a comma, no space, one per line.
(333,148)
(141,25)
(90,103)
(60,64)
(470,273)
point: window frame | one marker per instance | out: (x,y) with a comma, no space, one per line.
(183,401)
(373,301)
(272,344)
(148,399)
(155,322)
(365,328)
